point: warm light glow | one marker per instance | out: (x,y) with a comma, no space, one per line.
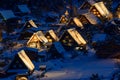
(36,38)
(26,60)
(48,37)
(78,23)
(54,36)
(50,40)
(66,13)
(102,9)
(64,41)
(118,14)
(42,37)
(32,23)
(76,36)
(63,19)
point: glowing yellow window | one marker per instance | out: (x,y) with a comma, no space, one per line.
(50,40)
(98,15)
(94,13)
(64,41)
(94,10)
(48,37)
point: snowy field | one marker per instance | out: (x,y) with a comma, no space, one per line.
(80,68)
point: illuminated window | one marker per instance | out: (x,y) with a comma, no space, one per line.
(64,41)
(118,9)
(28,26)
(48,37)
(70,40)
(98,15)
(33,45)
(50,40)
(77,48)
(94,10)
(69,44)
(66,36)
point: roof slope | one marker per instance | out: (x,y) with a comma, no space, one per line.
(76,36)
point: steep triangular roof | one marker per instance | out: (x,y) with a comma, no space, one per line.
(75,21)
(76,36)
(78,22)
(42,36)
(53,35)
(20,63)
(29,24)
(33,38)
(101,8)
(38,36)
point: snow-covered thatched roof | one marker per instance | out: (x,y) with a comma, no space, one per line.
(76,36)
(101,8)
(78,22)
(115,5)
(7,14)
(32,23)
(91,18)
(53,35)
(22,55)
(39,36)
(24,8)
(59,47)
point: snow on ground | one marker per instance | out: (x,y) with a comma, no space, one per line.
(81,68)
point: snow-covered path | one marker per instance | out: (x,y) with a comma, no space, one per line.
(81,68)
